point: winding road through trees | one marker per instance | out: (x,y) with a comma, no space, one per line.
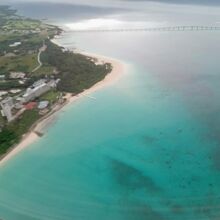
(42,49)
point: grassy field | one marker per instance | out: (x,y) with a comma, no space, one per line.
(18,63)
(4,37)
(45,70)
(50,96)
(22,24)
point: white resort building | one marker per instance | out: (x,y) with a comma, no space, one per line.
(37,89)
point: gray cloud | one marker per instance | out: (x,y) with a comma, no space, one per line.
(194,2)
(65,10)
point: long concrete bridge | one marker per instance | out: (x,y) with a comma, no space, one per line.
(157,29)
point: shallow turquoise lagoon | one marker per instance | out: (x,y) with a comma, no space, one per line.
(147,148)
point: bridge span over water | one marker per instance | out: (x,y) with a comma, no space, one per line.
(157,29)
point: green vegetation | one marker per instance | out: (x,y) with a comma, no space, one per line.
(22,24)
(2,121)
(51,96)
(77,72)
(21,63)
(11,84)
(23,124)
(12,134)
(8,138)
(46,69)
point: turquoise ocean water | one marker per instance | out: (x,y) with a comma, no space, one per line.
(147,148)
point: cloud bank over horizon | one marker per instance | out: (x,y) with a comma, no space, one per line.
(118,2)
(190,2)
(118,12)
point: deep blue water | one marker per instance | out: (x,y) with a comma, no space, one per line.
(146,149)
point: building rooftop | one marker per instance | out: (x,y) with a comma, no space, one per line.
(17,75)
(43,104)
(39,83)
(3,93)
(8,99)
(30,105)
(15,44)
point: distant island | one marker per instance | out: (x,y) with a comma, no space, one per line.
(36,75)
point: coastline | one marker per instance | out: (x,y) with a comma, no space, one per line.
(31,136)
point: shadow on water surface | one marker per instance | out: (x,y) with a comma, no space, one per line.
(130,178)
(142,212)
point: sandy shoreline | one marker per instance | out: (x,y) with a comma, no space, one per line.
(31,136)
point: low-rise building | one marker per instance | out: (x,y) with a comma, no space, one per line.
(39,82)
(2,77)
(7,106)
(18,105)
(15,91)
(2,93)
(17,75)
(15,44)
(43,105)
(22,82)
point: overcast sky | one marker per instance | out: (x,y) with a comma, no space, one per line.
(181,11)
(105,2)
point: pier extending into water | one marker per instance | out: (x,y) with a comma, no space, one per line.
(156,29)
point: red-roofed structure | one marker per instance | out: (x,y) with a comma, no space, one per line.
(30,105)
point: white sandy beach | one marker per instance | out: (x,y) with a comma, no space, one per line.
(111,78)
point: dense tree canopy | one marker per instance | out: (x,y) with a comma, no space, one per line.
(77,72)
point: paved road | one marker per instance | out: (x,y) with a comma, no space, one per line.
(42,49)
